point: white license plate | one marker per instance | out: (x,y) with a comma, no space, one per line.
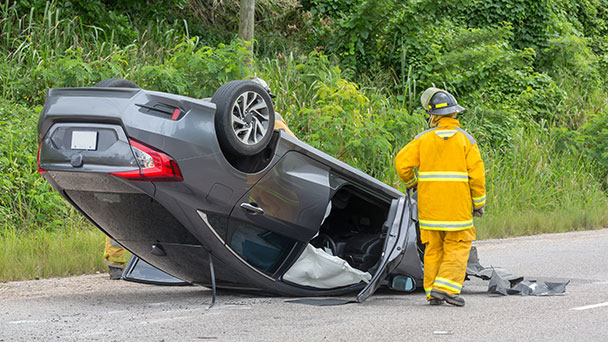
(84,140)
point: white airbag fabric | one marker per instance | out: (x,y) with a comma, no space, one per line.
(318,269)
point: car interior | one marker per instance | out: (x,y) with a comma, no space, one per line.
(354,229)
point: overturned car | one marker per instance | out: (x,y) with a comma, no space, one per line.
(208,192)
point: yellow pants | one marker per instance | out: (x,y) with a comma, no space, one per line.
(114,254)
(445,259)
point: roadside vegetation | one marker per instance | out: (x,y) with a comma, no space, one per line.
(347,75)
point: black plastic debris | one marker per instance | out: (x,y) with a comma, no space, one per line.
(504,283)
(321,301)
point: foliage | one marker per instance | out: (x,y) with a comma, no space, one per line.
(590,140)
(195,71)
(26,199)
(330,8)
(357,35)
(362,127)
(350,126)
(587,18)
(529,18)
(594,139)
(571,56)
(122,19)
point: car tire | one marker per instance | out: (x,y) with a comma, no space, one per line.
(244,118)
(116,83)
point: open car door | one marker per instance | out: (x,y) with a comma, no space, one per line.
(398,221)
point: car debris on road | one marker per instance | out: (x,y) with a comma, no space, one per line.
(503,282)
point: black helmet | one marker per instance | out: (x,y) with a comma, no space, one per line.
(443,103)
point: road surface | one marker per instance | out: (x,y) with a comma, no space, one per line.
(93,308)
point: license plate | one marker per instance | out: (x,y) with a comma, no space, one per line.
(84,140)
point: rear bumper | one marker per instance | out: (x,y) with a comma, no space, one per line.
(111,151)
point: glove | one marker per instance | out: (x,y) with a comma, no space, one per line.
(478,212)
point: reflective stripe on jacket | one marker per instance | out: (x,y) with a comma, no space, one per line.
(451,176)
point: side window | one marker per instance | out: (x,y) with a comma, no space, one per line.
(263,249)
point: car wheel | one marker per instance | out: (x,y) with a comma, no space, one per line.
(116,83)
(244,117)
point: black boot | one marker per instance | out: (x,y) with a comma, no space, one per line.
(451,299)
(435,301)
(115,272)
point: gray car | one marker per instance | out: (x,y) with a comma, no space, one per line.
(208,192)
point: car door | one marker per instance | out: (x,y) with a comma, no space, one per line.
(283,210)
(394,245)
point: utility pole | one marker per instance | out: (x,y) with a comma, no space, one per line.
(246,27)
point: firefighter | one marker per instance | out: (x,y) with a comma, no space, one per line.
(281,125)
(451,190)
(114,257)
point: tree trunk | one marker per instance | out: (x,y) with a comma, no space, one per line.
(246,26)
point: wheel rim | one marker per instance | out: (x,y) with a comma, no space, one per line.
(250,118)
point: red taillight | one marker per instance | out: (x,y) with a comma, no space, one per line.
(175,114)
(40,170)
(153,165)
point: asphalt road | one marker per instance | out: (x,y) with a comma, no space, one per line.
(92,308)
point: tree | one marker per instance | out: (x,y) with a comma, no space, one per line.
(247,15)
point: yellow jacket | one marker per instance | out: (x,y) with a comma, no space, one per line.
(450,173)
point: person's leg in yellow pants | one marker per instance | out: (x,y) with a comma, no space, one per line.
(445,259)
(433,256)
(453,268)
(114,257)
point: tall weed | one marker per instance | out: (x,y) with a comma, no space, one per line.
(76,249)
(533,188)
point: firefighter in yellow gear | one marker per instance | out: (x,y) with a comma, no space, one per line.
(114,257)
(281,125)
(450,181)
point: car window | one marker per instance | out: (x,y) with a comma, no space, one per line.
(261,248)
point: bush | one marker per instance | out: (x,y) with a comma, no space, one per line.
(594,137)
(531,19)
(195,71)
(363,127)
(27,201)
(590,140)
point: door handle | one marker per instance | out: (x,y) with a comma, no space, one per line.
(252,208)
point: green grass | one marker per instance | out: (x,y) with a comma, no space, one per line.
(530,222)
(532,189)
(76,249)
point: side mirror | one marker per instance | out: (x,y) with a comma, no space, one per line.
(403,283)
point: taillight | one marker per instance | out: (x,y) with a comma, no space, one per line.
(153,165)
(40,170)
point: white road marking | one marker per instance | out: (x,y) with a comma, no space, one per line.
(26,321)
(593,306)
(441,332)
